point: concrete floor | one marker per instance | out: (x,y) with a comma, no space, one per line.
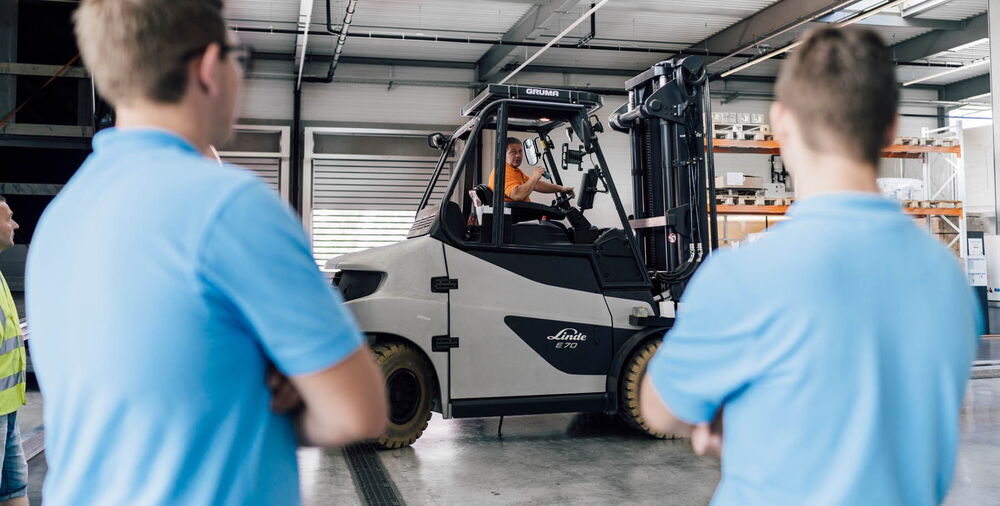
(577,459)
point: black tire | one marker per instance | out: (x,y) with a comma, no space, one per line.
(409,385)
(628,393)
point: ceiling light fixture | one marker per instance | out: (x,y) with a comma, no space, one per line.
(850,21)
(984,61)
(915,7)
(553,41)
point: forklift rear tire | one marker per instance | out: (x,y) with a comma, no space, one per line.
(632,375)
(409,385)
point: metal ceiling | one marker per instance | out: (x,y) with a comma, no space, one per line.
(664,25)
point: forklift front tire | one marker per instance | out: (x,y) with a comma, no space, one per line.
(409,385)
(635,370)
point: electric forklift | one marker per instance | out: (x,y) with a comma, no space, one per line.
(496,308)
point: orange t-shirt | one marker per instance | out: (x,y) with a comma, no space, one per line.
(514,177)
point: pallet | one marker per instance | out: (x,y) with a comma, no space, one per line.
(933,204)
(752,201)
(927,141)
(742,132)
(738,117)
(738,192)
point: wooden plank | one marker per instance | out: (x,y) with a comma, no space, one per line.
(773,148)
(762,210)
(780,210)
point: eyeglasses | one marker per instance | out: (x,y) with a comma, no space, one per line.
(242,52)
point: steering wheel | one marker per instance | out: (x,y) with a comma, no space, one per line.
(562,201)
(527,211)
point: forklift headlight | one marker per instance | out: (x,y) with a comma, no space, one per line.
(357,284)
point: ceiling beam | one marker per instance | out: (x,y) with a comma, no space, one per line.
(302,39)
(896,21)
(533,23)
(962,90)
(928,44)
(767,23)
(399,62)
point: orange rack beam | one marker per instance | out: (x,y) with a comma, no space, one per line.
(772,148)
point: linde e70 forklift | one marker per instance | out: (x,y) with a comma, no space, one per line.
(493,308)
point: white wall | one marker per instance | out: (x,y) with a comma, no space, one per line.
(980,178)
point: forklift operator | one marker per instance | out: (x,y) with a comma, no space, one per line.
(517,185)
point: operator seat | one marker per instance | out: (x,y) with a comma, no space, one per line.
(485,194)
(534,232)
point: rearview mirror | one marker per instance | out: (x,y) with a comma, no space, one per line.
(531,151)
(437,141)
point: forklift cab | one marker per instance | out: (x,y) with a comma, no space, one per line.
(474,218)
(495,308)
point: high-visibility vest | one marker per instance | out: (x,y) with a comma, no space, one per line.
(13,359)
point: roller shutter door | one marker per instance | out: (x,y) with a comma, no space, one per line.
(268,169)
(361,201)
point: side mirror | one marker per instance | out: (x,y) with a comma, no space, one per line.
(437,141)
(531,152)
(595,124)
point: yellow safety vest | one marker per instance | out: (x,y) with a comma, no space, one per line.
(13,359)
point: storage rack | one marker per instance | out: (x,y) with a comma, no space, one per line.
(946,160)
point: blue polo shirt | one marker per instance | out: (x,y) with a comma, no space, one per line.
(839,345)
(159,287)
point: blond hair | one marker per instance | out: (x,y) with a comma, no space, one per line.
(139,49)
(840,84)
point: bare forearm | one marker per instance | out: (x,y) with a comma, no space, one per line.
(547,187)
(343,403)
(520,192)
(657,414)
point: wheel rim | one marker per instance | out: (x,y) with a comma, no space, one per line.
(403,389)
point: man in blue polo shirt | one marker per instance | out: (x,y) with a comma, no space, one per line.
(163,286)
(836,348)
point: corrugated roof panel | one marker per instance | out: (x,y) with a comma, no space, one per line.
(667,21)
(583,58)
(904,73)
(909,73)
(408,49)
(964,54)
(468,15)
(274,11)
(957,10)
(268,42)
(890,34)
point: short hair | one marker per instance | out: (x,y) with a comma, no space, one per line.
(840,84)
(512,140)
(138,49)
(2,199)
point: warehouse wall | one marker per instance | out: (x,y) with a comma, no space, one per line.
(367,99)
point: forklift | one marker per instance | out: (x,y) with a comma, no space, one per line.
(498,308)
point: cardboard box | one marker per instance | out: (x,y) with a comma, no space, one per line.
(739,180)
(939,226)
(735,230)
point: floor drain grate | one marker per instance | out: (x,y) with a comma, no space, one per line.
(370,476)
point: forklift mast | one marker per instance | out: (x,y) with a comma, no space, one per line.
(672,173)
